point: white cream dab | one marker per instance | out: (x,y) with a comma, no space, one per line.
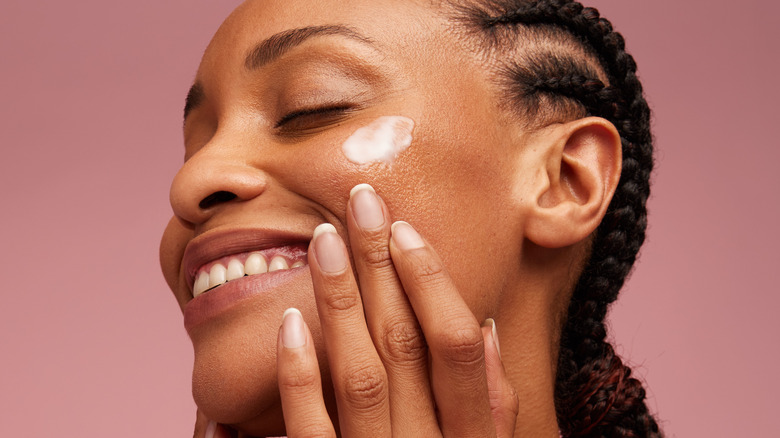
(380,141)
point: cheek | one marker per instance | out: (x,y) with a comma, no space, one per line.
(172,245)
(327,168)
(455,188)
(382,141)
(452,183)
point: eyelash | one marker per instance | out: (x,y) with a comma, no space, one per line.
(334,110)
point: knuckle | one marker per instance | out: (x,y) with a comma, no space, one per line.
(404,342)
(505,399)
(463,346)
(340,299)
(365,388)
(429,272)
(376,255)
(297,380)
(513,400)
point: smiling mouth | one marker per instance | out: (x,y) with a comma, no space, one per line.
(234,267)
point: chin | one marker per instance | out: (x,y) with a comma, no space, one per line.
(234,373)
(231,384)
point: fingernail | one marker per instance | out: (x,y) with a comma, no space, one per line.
(365,207)
(293,332)
(405,237)
(492,324)
(328,249)
(211,429)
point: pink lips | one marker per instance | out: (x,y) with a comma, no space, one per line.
(212,246)
(215,245)
(210,304)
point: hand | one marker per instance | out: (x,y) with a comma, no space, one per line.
(407,356)
(204,428)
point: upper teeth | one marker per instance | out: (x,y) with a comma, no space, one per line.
(255,264)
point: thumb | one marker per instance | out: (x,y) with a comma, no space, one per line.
(205,428)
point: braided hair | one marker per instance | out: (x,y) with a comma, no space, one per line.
(562,60)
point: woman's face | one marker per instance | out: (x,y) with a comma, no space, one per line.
(281,87)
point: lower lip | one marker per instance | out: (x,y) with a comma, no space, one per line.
(211,304)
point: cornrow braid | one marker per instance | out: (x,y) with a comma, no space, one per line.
(595,393)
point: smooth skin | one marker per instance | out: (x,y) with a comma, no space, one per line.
(382,357)
(376,342)
(508,211)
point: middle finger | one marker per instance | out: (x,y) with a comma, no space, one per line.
(390,318)
(359,379)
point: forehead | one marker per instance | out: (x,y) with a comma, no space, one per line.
(416,41)
(392,24)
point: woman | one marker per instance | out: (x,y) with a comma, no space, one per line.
(508,153)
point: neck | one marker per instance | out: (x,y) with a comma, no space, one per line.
(528,325)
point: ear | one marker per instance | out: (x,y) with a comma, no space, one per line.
(579,170)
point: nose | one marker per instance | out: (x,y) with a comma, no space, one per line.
(212,178)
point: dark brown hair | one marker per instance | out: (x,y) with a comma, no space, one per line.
(558,60)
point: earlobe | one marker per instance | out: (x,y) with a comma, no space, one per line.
(582,169)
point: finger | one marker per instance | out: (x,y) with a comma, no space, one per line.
(299,380)
(205,428)
(504,404)
(359,379)
(453,335)
(391,321)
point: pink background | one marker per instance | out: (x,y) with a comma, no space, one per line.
(91,93)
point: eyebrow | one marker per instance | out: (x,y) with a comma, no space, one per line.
(194,98)
(275,46)
(282,42)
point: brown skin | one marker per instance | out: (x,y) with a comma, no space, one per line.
(508,211)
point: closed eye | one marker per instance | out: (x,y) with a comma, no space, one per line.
(325,113)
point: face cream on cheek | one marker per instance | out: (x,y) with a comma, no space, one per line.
(380,141)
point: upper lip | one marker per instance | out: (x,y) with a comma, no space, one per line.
(213,245)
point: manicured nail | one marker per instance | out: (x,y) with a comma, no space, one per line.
(365,207)
(329,249)
(490,322)
(293,332)
(211,429)
(405,237)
